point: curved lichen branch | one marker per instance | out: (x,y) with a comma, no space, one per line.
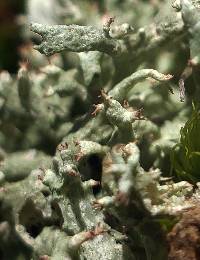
(77,240)
(57,38)
(190,12)
(75,38)
(120,91)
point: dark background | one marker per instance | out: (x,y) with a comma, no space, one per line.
(10,39)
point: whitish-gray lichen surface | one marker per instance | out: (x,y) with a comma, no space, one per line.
(99,147)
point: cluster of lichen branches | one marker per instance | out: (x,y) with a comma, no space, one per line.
(101,196)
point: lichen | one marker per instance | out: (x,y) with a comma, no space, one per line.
(98,156)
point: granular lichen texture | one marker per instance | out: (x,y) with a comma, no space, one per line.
(99,133)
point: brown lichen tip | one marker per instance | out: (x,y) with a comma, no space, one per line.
(97,109)
(77,240)
(106,26)
(138,114)
(168,77)
(125,104)
(23,70)
(105,95)
(3,189)
(93,183)
(24,64)
(106,201)
(78,156)
(73,173)
(97,205)
(62,146)
(122,198)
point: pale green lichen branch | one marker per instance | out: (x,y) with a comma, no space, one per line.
(120,91)
(75,38)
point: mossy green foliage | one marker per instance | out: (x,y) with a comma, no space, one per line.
(186,154)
